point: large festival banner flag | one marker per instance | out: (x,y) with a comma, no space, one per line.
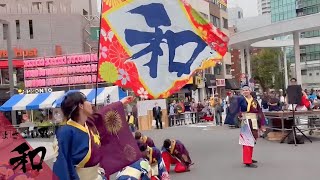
(118,145)
(18,160)
(155,46)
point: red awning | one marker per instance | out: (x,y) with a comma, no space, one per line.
(16,64)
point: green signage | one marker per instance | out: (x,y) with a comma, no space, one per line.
(94,33)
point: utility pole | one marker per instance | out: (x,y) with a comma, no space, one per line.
(10,65)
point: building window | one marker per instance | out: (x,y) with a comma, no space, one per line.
(228,69)
(303,72)
(217,70)
(317,74)
(225,23)
(31,29)
(239,15)
(4,76)
(84,12)
(50,6)
(3,8)
(215,21)
(204,15)
(208,71)
(5,31)
(310,74)
(36,6)
(18,29)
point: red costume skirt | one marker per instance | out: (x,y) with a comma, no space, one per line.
(168,160)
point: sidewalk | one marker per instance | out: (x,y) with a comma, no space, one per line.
(45,142)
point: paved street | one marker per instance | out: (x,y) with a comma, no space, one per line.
(217,155)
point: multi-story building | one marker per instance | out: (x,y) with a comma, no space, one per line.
(310,54)
(42,28)
(234,14)
(264,7)
(215,11)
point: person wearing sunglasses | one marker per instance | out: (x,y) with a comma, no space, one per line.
(77,144)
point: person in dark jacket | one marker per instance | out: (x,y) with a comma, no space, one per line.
(157,114)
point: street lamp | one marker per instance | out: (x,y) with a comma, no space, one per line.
(10,65)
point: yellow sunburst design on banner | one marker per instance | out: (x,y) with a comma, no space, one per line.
(113,3)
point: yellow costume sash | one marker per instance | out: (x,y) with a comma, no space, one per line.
(249,102)
(86,130)
(173,145)
(144,139)
(154,170)
(253,118)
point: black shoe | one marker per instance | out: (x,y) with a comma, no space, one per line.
(251,166)
(254,161)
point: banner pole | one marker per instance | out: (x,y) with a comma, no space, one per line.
(98,54)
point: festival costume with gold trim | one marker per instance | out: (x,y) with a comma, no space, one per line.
(105,137)
(253,119)
(158,168)
(178,155)
(77,153)
(139,170)
(147,140)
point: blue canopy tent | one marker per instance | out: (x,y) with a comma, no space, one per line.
(21,102)
(113,93)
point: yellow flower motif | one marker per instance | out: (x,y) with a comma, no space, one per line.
(96,138)
(113,122)
(129,153)
(113,3)
(203,33)
(108,72)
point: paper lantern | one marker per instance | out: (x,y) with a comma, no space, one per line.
(60,60)
(93,68)
(48,61)
(74,59)
(64,60)
(80,59)
(86,58)
(38,62)
(94,57)
(42,72)
(26,74)
(41,62)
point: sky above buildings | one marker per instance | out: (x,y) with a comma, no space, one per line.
(249,6)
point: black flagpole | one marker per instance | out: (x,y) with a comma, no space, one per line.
(96,94)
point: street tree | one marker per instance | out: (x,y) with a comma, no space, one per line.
(265,69)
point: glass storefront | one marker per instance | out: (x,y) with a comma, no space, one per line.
(282,10)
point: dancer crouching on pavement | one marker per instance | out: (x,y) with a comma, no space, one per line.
(174,152)
(144,139)
(158,168)
(140,170)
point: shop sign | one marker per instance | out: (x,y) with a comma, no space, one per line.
(221,82)
(35,91)
(199,82)
(20,53)
(94,33)
(210,80)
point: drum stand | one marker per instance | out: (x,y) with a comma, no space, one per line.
(294,130)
